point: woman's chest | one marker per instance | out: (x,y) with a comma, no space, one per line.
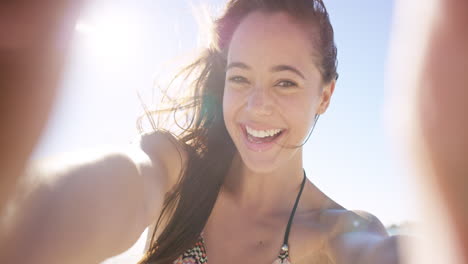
(256,249)
(248,240)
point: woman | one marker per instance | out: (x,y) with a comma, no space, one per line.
(236,171)
(268,75)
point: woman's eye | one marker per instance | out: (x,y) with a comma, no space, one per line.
(238,79)
(286,83)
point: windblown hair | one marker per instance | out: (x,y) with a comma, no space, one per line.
(210,149)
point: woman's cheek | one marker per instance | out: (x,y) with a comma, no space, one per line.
(300,113)
(228,106)
(231,97)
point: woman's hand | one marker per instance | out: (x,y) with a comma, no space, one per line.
(26,25)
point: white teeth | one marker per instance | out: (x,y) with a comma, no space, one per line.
(262,133)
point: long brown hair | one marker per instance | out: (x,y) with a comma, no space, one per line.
(210,149)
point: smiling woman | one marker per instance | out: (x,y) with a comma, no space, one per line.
(219,196)
(234,171)
(256,95)
(274,93)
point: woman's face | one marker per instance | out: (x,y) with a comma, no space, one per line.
(272,90)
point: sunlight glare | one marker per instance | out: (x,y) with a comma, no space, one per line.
(111,38)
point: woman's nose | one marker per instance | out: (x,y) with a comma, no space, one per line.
(260,102)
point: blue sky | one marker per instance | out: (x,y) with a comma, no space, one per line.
(121,45)
(351,151)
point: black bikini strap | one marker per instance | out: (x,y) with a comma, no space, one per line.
(286,235)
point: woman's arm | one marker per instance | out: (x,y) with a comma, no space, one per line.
(79,209)
(84,208)
(429,83)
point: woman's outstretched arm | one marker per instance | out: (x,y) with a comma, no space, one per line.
(429,84)
(78,208)
(86,207)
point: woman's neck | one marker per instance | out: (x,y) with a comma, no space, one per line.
(263,193)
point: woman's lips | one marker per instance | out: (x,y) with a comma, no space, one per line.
(259,146)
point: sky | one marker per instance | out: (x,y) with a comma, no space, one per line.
(121,47)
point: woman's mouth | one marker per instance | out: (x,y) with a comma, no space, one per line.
(260,140)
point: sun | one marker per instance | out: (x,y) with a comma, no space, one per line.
(110,37)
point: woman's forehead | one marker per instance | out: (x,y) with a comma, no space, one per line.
(271,38)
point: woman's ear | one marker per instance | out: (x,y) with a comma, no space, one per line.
(327,93)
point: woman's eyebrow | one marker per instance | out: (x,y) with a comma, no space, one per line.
(237,64)
(277,68)
(283,67)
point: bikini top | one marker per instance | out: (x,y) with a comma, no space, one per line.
(197,254)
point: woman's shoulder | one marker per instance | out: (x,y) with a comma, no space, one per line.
(153,141)
(342,220)
(167,150)
(336,221)
(335,218)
